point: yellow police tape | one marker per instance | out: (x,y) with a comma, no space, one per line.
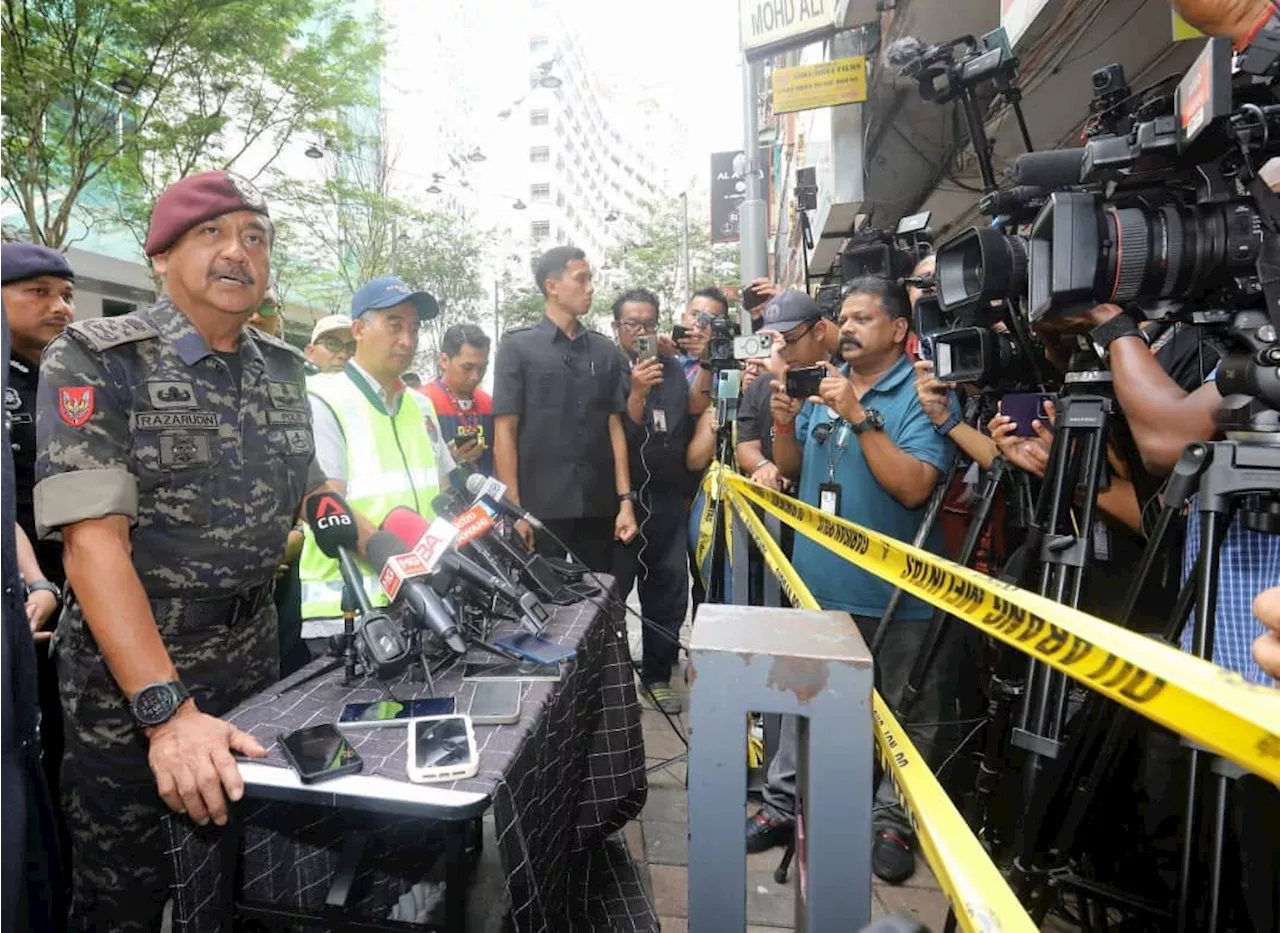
(706,522)
(980,896)
(1199,700)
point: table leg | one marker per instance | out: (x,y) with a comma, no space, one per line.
(344,875)
(456,875)
(229,846)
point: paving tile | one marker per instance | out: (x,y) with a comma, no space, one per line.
(672,774)
(673,925)
(770,903)
(670,890)
(666,843)
(927,906)
(667,803)
(659,740)
(633,832)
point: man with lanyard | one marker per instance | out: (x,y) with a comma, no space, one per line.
(331,345)
(659,423)
(864,450)
(464,409)
(376,440)
(39,296)
(174,450)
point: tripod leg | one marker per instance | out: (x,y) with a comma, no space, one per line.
(1217,841)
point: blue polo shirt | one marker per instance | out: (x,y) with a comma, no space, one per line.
(836,583)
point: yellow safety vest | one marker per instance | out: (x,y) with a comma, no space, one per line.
(391,461)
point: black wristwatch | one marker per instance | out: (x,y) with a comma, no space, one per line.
(155,704)
(626,497)
(47,587)
(874,421)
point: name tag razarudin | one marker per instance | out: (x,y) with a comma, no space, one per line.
(159,420)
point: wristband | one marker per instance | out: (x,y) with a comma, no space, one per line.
(762,464)
(1119,326)
(1259,25)
(952,422)
(626,497)
(784,428)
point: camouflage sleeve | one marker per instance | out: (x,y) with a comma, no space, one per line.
(315,475)
(83,462)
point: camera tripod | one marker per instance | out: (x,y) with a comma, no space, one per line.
(726,392)
(1224,473)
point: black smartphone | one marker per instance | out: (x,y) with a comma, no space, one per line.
(496,702)
(752,299)
(464,438)
(804,381)
(320,753)
(534,648)
(679,332)
(387,712)
(1024,408)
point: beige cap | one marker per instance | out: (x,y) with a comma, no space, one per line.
(329,324)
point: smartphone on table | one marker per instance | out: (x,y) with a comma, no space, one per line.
(442,748)
(495,703)
(1025,407)
(534,648)
(392,712)
(320,753)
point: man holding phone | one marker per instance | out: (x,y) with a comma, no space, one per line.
(861,448)
(465,411)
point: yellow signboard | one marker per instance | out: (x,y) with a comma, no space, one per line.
(826,84)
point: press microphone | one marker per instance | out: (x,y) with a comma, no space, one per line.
(1012,200)
(904,52)
(402,576)
(409,526)
(1057,168)
(333,525)
(494,493)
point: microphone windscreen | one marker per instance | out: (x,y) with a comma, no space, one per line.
(904,51)
(406,525)
(382,546)
(1059,168)
(331,522)
(447,505)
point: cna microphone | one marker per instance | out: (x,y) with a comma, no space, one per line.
(494,494)
(333,525)
(403,577)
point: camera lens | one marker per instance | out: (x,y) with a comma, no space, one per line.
(978,266)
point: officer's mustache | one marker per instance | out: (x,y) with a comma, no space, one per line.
(847,343)
(234,273)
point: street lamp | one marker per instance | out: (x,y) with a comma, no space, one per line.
(314,152)
(476,155)
(610,217)
(519,205)
(433,189)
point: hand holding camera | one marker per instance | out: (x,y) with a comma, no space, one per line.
(932,393)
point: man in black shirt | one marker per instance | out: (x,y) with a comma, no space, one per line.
(659,426)
(558,404)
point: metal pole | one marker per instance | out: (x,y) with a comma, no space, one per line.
(684,247)
(752,215)
(395,244)
(497,312)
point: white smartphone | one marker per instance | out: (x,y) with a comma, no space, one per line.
(442,748)
(495,703)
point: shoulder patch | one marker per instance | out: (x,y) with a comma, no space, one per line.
(267,340)
(103,333)
(523,328)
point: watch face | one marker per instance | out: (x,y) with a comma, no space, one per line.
(154,704)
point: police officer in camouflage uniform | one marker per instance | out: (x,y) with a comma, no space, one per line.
(175,448)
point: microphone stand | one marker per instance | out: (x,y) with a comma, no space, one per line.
(349,605)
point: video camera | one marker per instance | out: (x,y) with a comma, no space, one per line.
(873,251)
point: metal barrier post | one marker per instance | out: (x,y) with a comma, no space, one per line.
(739,570)
(791,661)
(772,593)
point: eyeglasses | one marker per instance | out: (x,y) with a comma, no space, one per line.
(640,327)
(334,345)
(788,339)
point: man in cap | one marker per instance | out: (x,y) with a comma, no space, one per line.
(331,345)
(175,448)
(377,441)
(39,297)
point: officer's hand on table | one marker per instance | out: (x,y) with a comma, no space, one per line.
(40,607)
(624,526)
(644,376)
(190,756)
(1266,647)
(525,531)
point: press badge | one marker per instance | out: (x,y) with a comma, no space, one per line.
(829,498)
(660,421)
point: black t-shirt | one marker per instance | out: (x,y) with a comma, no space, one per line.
(657,447)
(755,421)
(20,418)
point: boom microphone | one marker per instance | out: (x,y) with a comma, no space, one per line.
(333,525)
(484,487)
(403,577)
(1057,168)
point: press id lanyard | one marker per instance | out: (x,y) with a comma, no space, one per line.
(829,492)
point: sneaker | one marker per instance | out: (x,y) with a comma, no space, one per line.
(892,859)
(768,828)
(662,697)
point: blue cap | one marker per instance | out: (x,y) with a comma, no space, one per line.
(788,310)
(22,261)
(387,292)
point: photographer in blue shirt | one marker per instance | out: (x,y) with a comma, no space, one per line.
(865,450)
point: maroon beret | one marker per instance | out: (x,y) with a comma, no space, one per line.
(195,199)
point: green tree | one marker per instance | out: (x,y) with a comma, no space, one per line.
(519,305)
(110,101)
